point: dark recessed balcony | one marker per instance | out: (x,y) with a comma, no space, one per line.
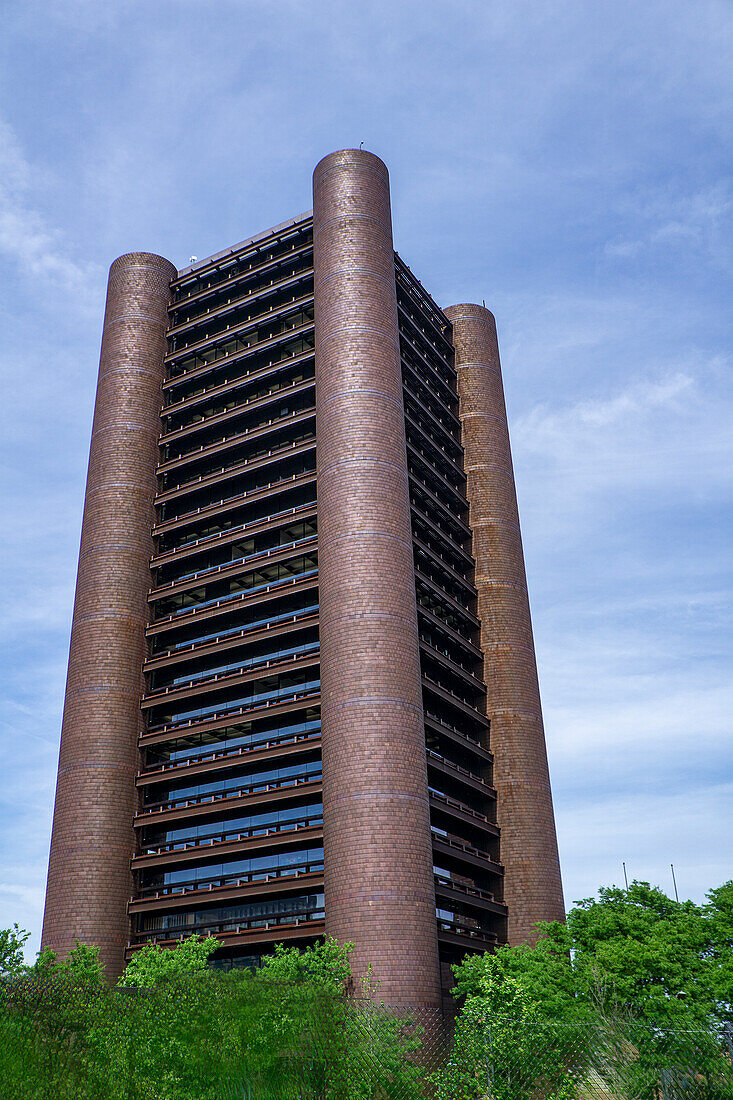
(238,330)
(244,407)
(290,281)
(227,473)
(446,538)
(279,748)
(226,844)
(452,891)
(279,790)
(459,811)
(430,474)
(232,602)
(275,929)
(452,847)
(408,284)
(454,701)
(420,348)
(232,534)
(295,702)
(419,415)
(233,568)
(236,439)
(434,594)
(456,670)
(181,692)
(241,887)
(469,779)
(238,500)
(455,934)
(234,638)
(458,737)
(236,276)
(419,485)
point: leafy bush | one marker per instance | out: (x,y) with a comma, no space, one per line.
(173,1029)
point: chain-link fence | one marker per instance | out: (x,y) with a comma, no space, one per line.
(250,1040)
(495,1059)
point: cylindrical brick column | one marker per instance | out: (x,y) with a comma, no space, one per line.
(532,884)
(89,881)
(378,857)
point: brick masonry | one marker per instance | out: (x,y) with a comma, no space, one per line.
(89,880)
(532,886)
(378,860)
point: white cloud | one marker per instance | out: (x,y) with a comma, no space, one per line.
(39,251)
(700,219)
(664,437)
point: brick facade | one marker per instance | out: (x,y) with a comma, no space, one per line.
(89,882)
(378,879)
(532,884)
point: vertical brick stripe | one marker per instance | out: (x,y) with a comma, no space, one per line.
(378,860)
(532,884)
(89,881)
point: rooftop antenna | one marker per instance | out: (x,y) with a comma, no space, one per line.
(674,880)
(625,876)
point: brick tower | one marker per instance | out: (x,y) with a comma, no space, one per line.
(301,631)
(532,883)
(379,868)
(89,881)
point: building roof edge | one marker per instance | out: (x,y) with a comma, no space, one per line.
(242,245)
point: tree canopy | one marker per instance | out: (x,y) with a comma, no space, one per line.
(12,941)
(635,953)
(326,965)
(153,965)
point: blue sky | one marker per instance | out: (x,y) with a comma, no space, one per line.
(568,162)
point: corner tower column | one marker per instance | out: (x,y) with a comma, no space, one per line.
(532,884)
(378,859)
(89,881)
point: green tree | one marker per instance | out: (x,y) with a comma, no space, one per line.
(634,986)
(640,953)
(633,953)
(46,1023)
(12,941)
(83,966)
(326,965)
(153,965)
(542,976)
(328,1043)
(504,1046)
(719,912)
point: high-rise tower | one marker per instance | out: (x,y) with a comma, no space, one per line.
(301,630)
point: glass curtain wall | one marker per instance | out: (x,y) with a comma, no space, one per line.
(230,821)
